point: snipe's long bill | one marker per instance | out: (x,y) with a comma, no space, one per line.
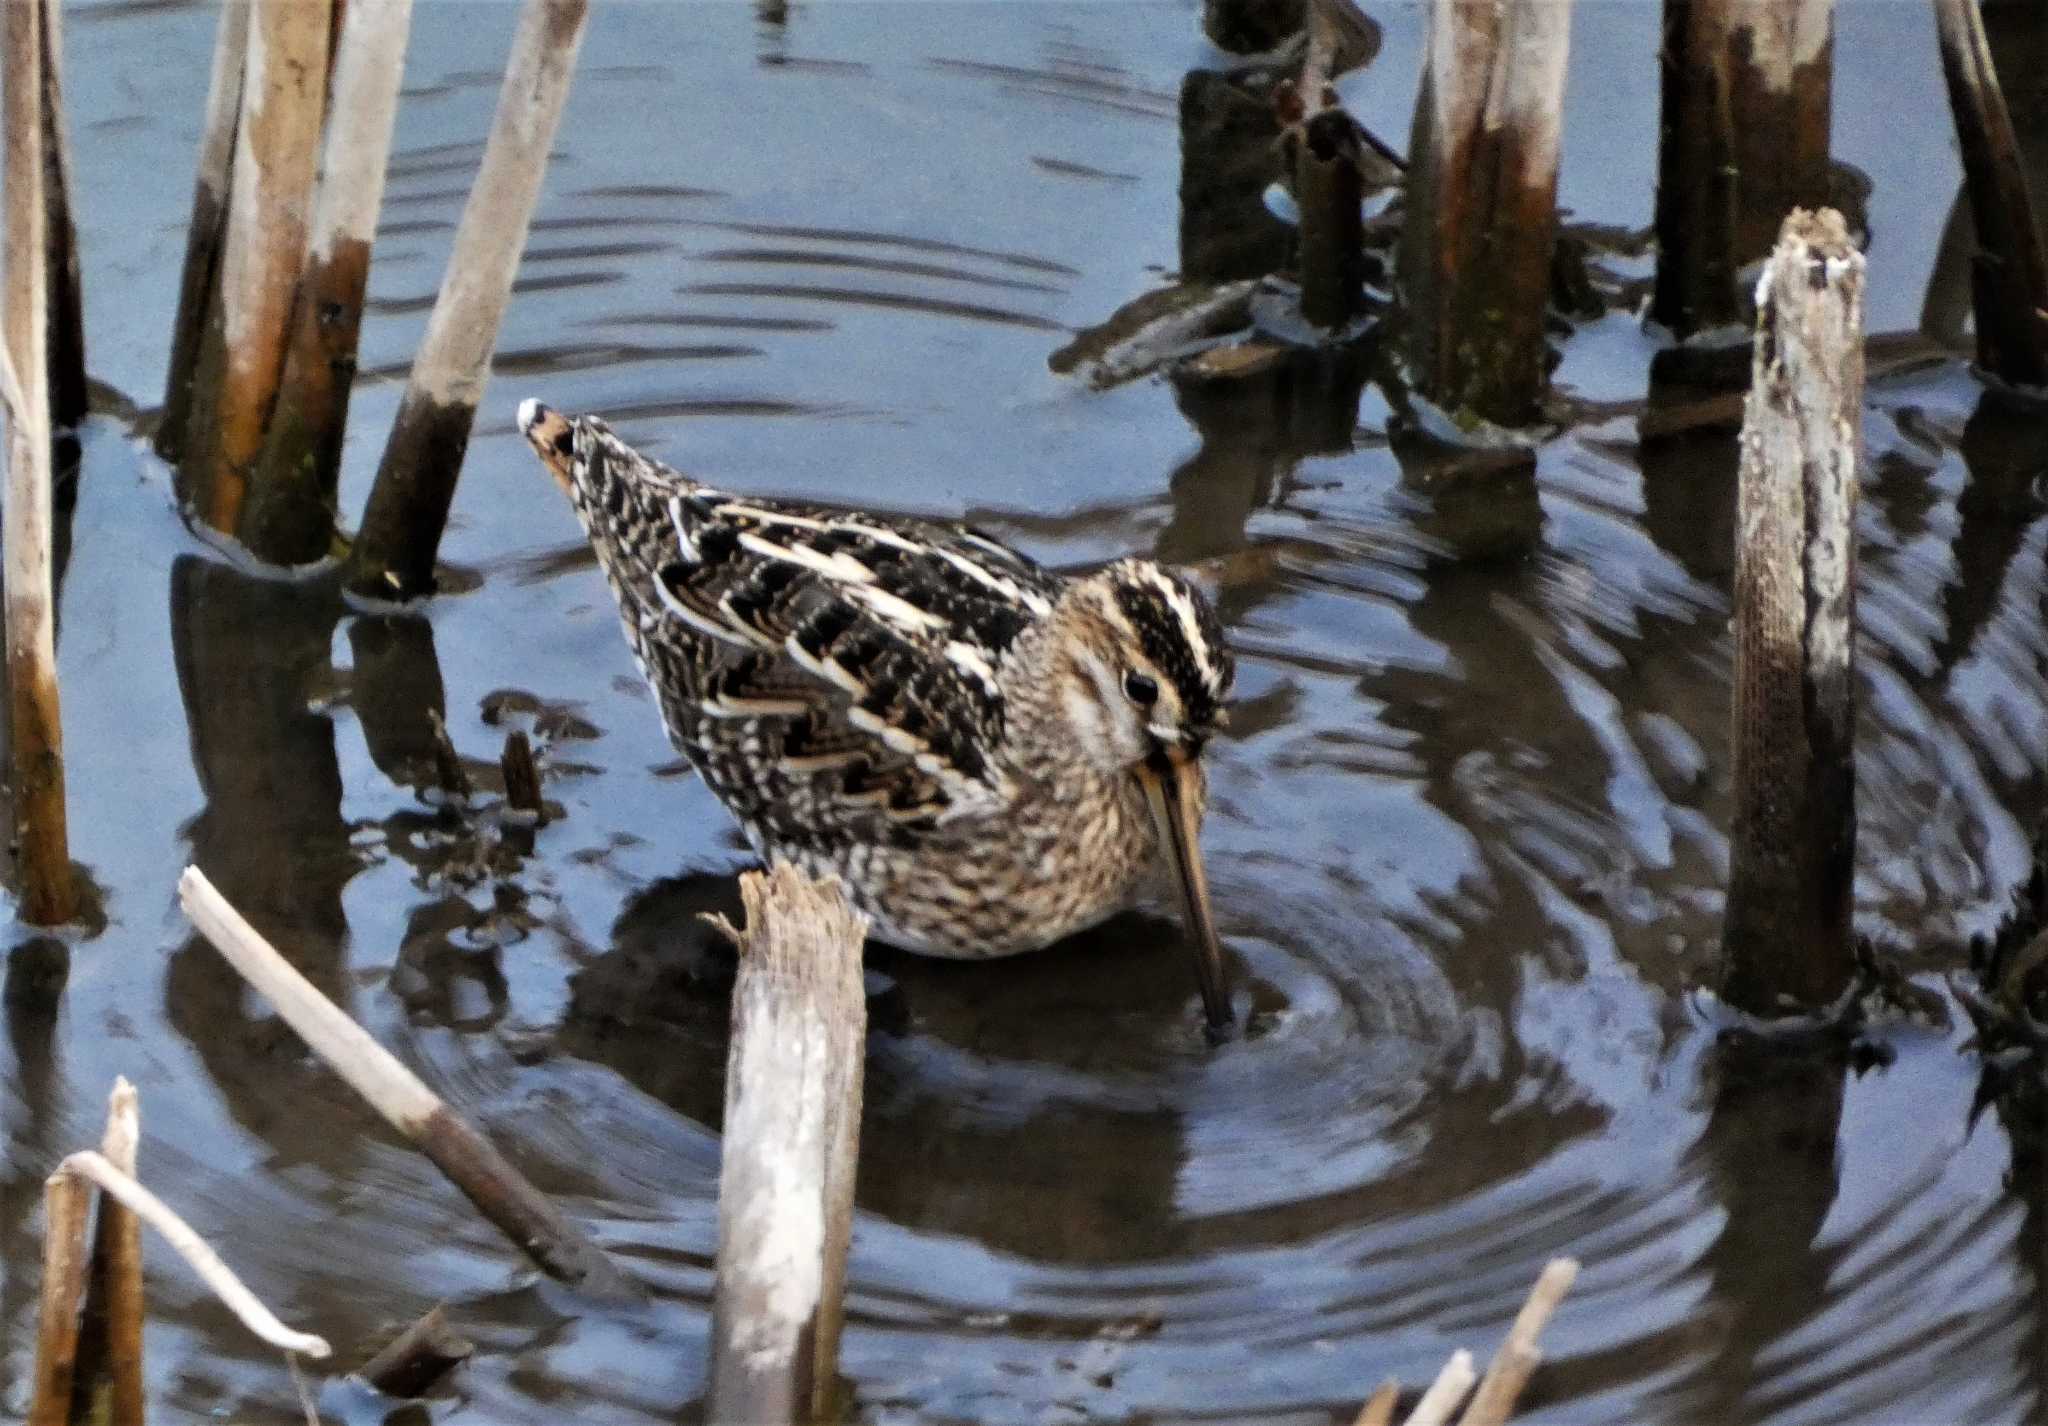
(990,756)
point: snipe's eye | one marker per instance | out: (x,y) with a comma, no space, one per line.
(1141,689)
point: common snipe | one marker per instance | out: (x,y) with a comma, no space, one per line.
(990,756)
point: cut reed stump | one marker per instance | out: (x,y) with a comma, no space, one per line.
(242,344)
(67,1204)
(1748,96)
(1329,185)
(408,507)
(490,1182)
(66,333)
(289,518)
(2008,272)
(49,892)
(1474,264)
(415,1361)
(1793,848)
(109,1381)
(206,231)
(792,1136)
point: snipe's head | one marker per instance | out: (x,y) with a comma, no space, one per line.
(1138,676)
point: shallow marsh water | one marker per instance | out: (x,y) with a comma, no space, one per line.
(1467,844)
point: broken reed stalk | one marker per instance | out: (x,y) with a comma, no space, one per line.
(791,1140)
(66,334)
(242,345)
(67,1203)
(1793,842)
(1475,255)
(408,506)
(92,1169)
(1379,1407)
(1444,1394)
(289,519)
(1747,102)
(110,1338)
(499,1191)
(1330,185)
(49,892)
(207,229)
(2008,271)
(522,781)
(414,1361)
(1519,1355)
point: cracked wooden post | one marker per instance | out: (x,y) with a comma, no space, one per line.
(792,1137)
(408,506)
(2008,271)
(289,518)
(499,1191)
(49,892)
(110,1335)
(242,344)
(1474,264)
(1747,101)
(1793,845)
(206,230)
(66,335)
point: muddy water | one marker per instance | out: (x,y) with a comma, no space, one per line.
(1468,841)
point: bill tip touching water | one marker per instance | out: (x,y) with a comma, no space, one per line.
(991,756)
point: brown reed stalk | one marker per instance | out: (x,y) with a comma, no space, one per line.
(408,506)
(792,1139)
(110,1337)
(2009,270)
(66,333)
(289,518)
(242,346)
(67,1203)
(1792,847)
(206,230)
(499,1191)
(1474,263)
(49,892)
(1747,98)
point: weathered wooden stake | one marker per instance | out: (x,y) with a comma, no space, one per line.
(499,1191)
(110,1339)
(1474,264)
(1748,95)
(241,354)
(290,515)
(408,506)
(49,892)
(66,333)
(792,1136)
(1329,185)
(2009,272)
(207,228)
(1793,847)
(67,1203)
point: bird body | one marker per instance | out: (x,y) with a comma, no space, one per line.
(979,749)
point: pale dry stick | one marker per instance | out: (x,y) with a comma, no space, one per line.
(1747,99)
(1792,846)
(791,1139)
(66,299)
(289,519)
(49,892)
(242,346)
(110,1340)
(1379,1407)
(408,506)
(1476,246)
(499,1191)
(1445,1392)
(207,228)
(67,1203)
(1516,1361)
(89,1166)
(2009,270)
